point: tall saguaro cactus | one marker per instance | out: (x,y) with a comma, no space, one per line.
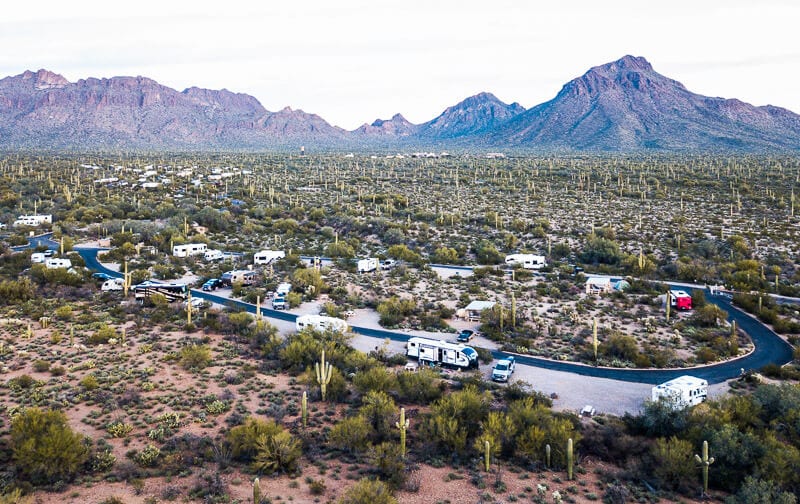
(669,303)
(403,424)
(324,372)
(594,338)
(547,451)
(487,455)
(256,491)
(569,459)
(304,409)
(704,462)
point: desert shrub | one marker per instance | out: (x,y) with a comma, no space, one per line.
(41,365)
(119,429)
(387,461)
(194,357)
(671,463)
(368,491)
(102,335)
(44,447)
(16,291)
(394,310)
(455,418)
(89,382)
(379,409)
(21,382)
(709,315)
(758,491)
(621,346)
(421,387)
(277,453)
(350,434)
(376,379)
(243,438)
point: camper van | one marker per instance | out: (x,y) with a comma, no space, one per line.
(267,256)
(527,261)
(283,289)
(680,300)
(682,391)
(320,323)
(245,277)
(38,258)
(429,351)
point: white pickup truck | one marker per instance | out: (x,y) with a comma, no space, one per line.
(503,370)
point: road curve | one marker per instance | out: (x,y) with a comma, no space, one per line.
(769,347)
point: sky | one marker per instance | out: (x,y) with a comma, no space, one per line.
(353,61)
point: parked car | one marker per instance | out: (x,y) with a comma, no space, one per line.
(465,335)
(197,303)
(212,284)
(102,276)
(588,410)
(504,368)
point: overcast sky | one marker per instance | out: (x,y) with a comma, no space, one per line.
(352,61)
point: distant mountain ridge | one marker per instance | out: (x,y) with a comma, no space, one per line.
(620,106)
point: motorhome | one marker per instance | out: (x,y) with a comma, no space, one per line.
(33,220)
(283,289)
(321,323)
(38,258)
(267,256)
(171,291)
(189,249)
(429,351)
(527,261)
(367,265)
(680,300)
(682,391)
(245,277)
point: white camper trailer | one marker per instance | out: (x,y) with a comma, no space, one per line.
(367,265)
(245,277)
(115,284)
(38,258)
(321,323)
(213,255)
(283,289)
(429,351)
(53,263)
(189,249)
(682,391)
(527,261)
(267,256)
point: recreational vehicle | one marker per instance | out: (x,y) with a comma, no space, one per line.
(171,291)
(33,220)
(38,258)
(114,284)
(321,323)
(189,249)
(680,300)
(429,351)
(283,289)
(527,261)
(213,255)
(267,256)
(53,263)
(245,277)
(682,391)
(367,265)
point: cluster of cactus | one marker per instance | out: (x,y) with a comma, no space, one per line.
(324,371)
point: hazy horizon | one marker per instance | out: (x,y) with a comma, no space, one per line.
(357,61)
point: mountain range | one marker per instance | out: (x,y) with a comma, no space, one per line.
(622,106)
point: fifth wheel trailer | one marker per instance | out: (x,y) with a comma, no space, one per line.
(682,391)
(321,323)
(527,261)
(429,351)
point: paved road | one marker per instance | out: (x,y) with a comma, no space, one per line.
(769,347)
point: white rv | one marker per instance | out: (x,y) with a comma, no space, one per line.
(38,258)
(33,220)
(267,256)
(527,261)
(189,249)
(321,323)
(213,255)
(53,263)
(283,289)
(682,391)
(367,265)
(115,284)
(429,351)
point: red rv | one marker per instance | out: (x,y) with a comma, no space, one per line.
(681,300)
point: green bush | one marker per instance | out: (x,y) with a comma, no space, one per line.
(102,335)
(350,434)
(193,357)
(44,447)
(368,491)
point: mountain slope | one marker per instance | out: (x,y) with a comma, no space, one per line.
(473,116)
(625,105)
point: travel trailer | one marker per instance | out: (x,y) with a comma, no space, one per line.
(115,284)
(321,323)
(213,255)
(53,263)
(245,277)
(189,249)
(367,265)
(429,351)
(682,391)
(267,256)
(171,291)
(527,261)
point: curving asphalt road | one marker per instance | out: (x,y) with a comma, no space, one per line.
(769,347)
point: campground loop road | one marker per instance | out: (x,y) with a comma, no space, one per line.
(769,347)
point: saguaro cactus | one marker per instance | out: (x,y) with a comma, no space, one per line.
(547,455)
(594,338)
(487,455)
(324,372)
(704,462)
(569,459)
(402,424)
(669,303)
(256,491)
(304,409)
